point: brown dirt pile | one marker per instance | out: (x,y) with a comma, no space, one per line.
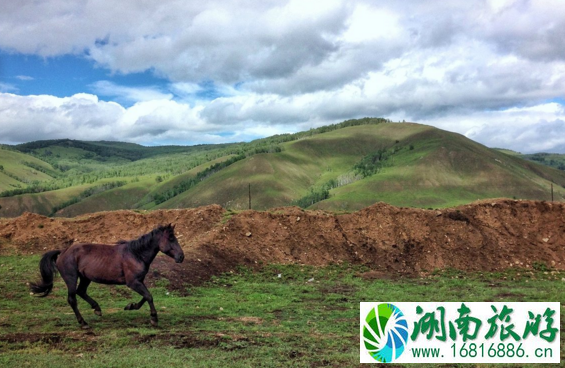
(487,235)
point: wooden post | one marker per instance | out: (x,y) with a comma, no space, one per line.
(552,192)
(249,195)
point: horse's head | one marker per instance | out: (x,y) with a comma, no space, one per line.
(169,244)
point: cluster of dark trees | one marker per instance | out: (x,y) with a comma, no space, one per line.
(546,159)
(314,196)
(372,163)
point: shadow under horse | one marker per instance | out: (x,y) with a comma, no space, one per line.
(125,263)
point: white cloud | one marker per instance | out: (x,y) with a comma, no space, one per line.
(484,68)
(130,94)
(368,23)
(7,87)
(24,77)
(185,89)
(539,128)
(84,116)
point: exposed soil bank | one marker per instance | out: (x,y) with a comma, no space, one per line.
(486,235)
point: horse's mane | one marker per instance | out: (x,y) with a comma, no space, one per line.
(138,245)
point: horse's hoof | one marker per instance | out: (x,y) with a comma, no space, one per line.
(154,323)
(98,313)
(129,306)
(85,327)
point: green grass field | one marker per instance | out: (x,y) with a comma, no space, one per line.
(307,317)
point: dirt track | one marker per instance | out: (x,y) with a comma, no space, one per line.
(487,235)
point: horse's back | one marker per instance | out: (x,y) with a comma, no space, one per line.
(98,262)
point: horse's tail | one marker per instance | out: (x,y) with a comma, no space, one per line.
(48,269)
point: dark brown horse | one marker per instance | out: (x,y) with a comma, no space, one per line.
(125,263)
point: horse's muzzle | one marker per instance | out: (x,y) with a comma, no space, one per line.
(179,258)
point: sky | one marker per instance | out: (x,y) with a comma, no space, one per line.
(189,72)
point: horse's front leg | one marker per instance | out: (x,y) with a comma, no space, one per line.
(139,287)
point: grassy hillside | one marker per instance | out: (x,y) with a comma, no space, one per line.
(277,179)
(446,169)
(427,167)
(125,196)
(81,173)
(18,170)
(41,203)
(346,166)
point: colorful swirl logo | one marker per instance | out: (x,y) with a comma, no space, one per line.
(385,332)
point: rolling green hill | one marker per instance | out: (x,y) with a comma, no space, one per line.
(278,179)
(446,169)
(426,167)
(18,170)
(345,166)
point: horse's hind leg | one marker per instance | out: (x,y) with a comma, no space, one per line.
(135,306)
(71,281)
(81,291)
(141,289)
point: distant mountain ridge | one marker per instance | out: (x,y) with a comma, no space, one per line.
(125,150)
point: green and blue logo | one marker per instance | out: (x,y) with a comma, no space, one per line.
(385,332)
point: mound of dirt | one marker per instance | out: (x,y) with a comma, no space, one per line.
(486,235)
